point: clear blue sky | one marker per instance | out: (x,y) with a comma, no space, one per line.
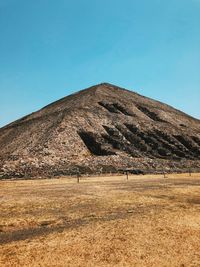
(49,49)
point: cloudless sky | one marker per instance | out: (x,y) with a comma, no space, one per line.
(49,49)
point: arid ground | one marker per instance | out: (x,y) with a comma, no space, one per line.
(102,221)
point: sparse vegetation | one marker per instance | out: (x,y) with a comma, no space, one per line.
(102,221)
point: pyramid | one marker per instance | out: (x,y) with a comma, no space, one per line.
(104,128)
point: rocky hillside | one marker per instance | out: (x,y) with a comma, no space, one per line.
(103,128)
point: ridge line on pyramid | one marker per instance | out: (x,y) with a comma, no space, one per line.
(88,90)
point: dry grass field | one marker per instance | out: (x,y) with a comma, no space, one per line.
(102,221)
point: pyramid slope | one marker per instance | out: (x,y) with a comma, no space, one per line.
(102,127)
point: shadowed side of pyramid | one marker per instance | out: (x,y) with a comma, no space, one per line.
(103,127)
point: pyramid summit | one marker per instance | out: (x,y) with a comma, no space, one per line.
(105,128)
